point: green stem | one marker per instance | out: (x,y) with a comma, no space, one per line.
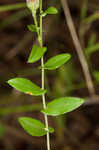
(40,39)
(44,105)
(43,79)
(36,23)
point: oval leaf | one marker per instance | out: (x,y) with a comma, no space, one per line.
(34,127)
(62,105)
(32,28)
(36,53)
(26,86)
(57,61)
(50,10)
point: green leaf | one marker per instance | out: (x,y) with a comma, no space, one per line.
(34,127)
(62,105)
(96,75)
(26,86)
(32,28)
(36,53)
(2,130)
(56,61)
(50,11)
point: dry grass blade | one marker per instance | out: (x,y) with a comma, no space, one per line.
(78,47)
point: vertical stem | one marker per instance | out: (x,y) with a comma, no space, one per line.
(44,106)
(43,74)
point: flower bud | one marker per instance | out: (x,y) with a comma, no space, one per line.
(33,5)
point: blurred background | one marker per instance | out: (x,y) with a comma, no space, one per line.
(78,130)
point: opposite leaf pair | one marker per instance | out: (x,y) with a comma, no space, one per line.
(25,85)
(54,108)
(53,63)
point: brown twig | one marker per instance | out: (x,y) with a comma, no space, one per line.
(78,48)
(92,100)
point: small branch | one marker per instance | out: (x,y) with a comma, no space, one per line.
(78,48)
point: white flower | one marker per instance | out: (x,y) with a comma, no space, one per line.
(33,5)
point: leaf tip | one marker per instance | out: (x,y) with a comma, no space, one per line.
(9,81)
(69,55)
(20,119)
(29,61)
(82,101)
